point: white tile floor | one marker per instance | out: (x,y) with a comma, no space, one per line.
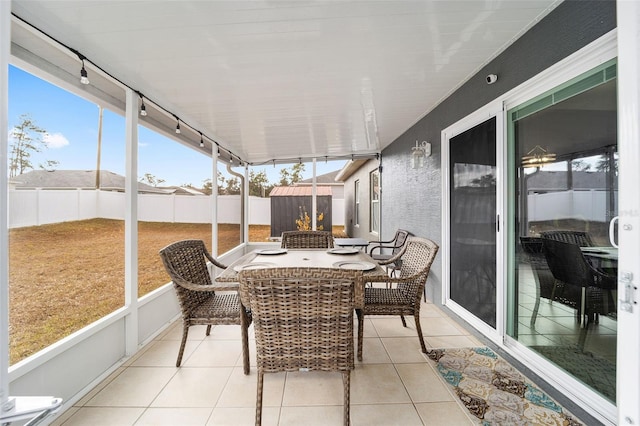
(394,385)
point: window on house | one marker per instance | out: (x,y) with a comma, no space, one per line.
(374,181)
(357,206)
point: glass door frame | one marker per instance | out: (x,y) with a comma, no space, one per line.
(492,110)
(585,59)
(557,76)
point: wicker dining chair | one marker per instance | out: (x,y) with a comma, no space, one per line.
(570,268)
(579,238)
(395,245)
(403,299)
(186,263)
(307,239)
(303,321)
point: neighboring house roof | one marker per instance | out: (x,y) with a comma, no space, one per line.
(557,180)
(298,191)
(76,179)
(349,169)
(325,179)
(181,190)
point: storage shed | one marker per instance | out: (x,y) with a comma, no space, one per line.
(290,203)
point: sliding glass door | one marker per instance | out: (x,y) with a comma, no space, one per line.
(564,192)
(472,219)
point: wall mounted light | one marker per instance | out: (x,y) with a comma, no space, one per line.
(418,154)
(84,78)
(537,157)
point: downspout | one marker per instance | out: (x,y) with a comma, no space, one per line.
(242,198)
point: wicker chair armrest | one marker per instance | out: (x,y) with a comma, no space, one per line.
(399,279)
(394,258)
(205,288)
(380,246)
(214,261)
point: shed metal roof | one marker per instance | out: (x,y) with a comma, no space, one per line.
(298,191)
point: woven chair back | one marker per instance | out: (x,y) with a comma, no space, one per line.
(186,262)
(307,239)
(567,263)
(303,317)
(400,240)
(579,238)
(417,259)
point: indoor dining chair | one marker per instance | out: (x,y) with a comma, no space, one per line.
(186,263)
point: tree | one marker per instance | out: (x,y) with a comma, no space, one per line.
(26,138)
(150,179)
(49,165)
(233,186)
(230,186)
(292,175)
(259,183)
(207,186)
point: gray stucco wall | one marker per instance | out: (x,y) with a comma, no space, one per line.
(411,199)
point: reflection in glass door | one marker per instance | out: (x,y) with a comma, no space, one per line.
(565,270)
(473,220)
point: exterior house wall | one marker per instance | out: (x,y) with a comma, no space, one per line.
(411,199)
(363,230)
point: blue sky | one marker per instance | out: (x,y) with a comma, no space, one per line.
(71,123)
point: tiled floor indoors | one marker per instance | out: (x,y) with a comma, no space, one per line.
(394,385)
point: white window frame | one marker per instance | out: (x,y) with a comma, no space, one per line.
(374,207)
(356,197)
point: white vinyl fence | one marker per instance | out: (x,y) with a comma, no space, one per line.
(41,206)
(591,205)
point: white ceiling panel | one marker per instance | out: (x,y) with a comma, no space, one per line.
(280,79)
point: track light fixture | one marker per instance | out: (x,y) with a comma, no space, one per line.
(84,79)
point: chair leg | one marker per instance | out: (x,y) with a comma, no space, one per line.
(208,330)
(419,330)
(360,332)
(185,333)
(259,398)
(244,326)
(346,381)
(404,322)
(536,307)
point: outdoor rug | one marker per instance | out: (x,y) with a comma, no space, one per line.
(495,392)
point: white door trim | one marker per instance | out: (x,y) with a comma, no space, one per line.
(628,368)
(491,110)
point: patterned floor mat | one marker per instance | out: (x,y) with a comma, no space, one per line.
(494,391)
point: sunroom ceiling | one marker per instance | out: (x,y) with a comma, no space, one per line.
(273,79)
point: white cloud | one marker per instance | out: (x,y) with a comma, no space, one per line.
(55,140)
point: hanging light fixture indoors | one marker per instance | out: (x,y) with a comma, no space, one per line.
(143,109)
(418,154)
(178,126)
(201,141)
(538,157)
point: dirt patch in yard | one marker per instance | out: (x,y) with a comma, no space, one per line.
(65,276)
